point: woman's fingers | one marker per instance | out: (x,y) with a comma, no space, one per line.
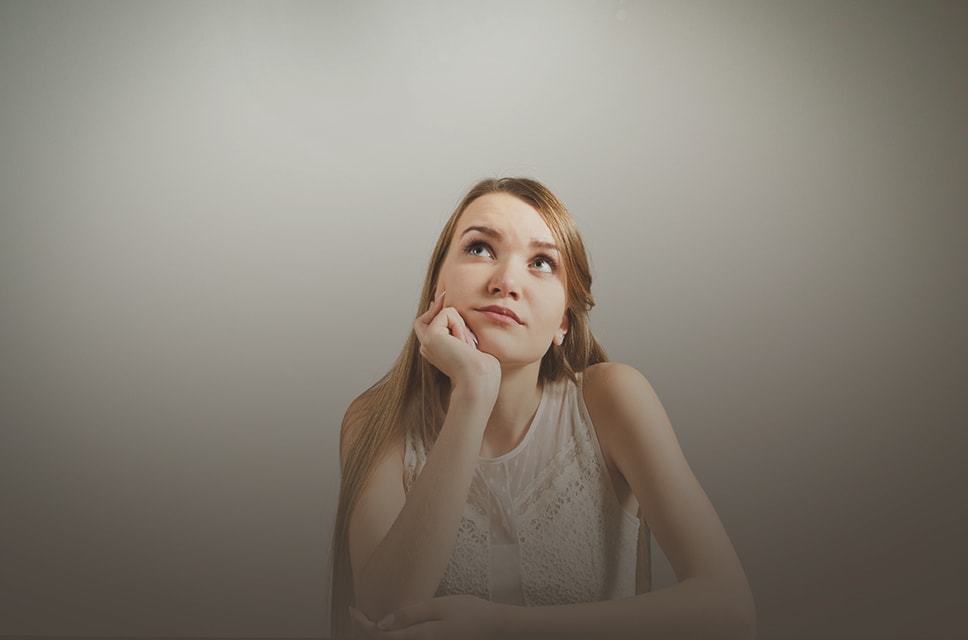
(450,319)
(363,626)
(422,323)
(463,331)
(446,318)
(411,615)
(434,308)
(405,628)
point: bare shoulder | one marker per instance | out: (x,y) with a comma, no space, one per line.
(626,411)
(613,377)
(616,388)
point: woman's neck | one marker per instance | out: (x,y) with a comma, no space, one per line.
(517,401)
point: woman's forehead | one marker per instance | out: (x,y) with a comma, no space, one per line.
(507,215)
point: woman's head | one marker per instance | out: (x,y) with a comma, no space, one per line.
(513,244)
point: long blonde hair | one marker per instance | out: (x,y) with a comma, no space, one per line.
(407,398)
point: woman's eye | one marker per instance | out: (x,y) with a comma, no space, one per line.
(478,249)
(544,264)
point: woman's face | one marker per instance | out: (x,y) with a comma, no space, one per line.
(505,277)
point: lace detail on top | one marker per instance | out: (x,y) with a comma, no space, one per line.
(542,524)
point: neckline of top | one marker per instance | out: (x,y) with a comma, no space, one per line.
(527,434)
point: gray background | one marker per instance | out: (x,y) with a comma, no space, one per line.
(215,218)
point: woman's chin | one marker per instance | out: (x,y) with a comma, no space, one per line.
(507,360)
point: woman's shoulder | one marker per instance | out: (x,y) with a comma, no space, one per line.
(613,382)
(618,398)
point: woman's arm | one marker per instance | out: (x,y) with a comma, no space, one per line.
(400,544)
(711,599)
(691,610)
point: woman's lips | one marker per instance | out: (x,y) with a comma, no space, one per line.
(501,315)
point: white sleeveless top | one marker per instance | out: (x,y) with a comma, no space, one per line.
(542,524)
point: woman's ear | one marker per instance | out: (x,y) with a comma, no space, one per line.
(562,330)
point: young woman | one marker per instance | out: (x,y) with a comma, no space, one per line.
(491,479)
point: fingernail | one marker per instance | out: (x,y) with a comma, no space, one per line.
(441,295)
(386,622)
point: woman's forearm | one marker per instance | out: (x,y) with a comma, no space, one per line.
(407,565)
(693,609)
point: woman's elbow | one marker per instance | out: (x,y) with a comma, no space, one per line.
(379,598)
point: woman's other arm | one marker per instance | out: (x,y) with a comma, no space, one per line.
(400,543)
(711,598)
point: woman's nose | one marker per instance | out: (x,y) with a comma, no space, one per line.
(504,281)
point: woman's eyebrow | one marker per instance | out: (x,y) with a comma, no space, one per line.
(494,233)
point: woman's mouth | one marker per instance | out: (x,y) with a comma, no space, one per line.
(500,314)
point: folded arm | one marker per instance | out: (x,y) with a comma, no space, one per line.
(400,543)
(711,598)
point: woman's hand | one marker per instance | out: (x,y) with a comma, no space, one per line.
(449,344)
(465,617)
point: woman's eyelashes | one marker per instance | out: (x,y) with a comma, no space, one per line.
(541,262)
(475,248)
(550,266)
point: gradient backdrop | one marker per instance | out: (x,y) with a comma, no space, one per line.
(215,218)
